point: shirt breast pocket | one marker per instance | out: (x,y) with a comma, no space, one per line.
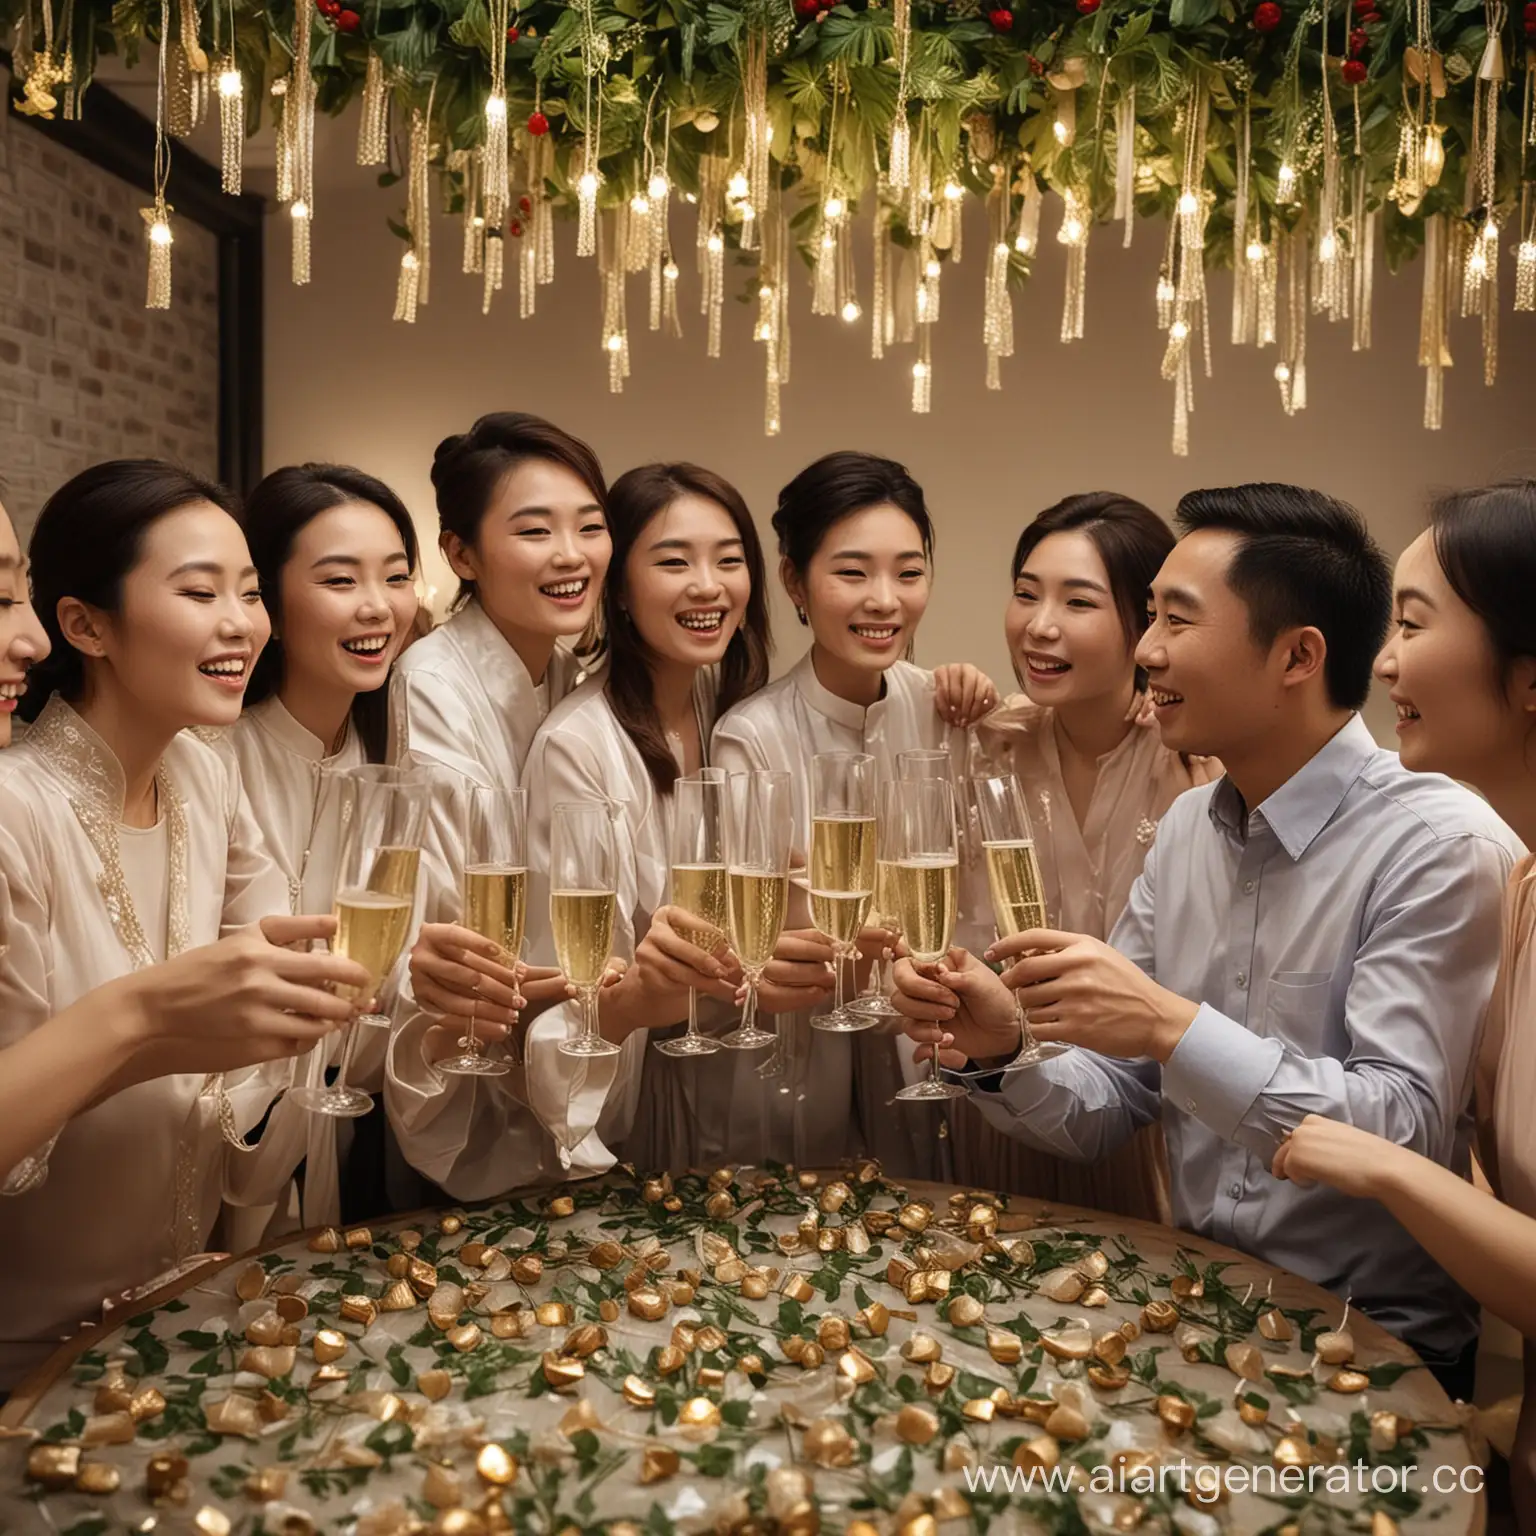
(1298,1001)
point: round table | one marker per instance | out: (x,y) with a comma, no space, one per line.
(750,1351)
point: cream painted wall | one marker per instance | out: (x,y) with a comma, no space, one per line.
(344,382)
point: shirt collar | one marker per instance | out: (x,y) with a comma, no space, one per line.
(825,702)
(1307,801)
(276,719)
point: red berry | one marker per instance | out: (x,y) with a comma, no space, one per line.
(1530,12)
(1002,21)
(1266,17)
(538,124)
(525,206)
(804,8)
(1088,7)
(1036,68)
(1359,41)
(1355,72)
(349,21)
(515,228)
(513,34)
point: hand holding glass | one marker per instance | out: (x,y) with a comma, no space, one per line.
(583,881)
(758,822)
(698,887)
(842,867)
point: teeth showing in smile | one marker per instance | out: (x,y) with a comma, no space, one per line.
(874,631)
(1407,712)
(1047,663)
(367,645)
(12,690)
(565,588)
(223,668)
(1163,696)
(705,623)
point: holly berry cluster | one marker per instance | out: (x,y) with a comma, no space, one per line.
(813,10)
(345,18)
(515,225)
(1002,18)
(1355,68)
(1266,17)
(1530,20)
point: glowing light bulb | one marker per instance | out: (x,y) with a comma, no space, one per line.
(587,185)
(1328,247)
(657,187)
(1255,251)
(1001,248)
(160,232)
(851,311)
(736,188)
(1477,263)
(1072,230)
(231,83)
(714,245)
(919,370)
(670,271)
(690,197)
(932,268)
(478,222)
(953,191)
(1062,132)
(496,108)
(1282,373)
(1022,242)
(828,242)
(1189,203)
(765,292)
(1490,230)
(833,207)
(615,343)
(1285,182)
(639,204)
(300,209)
(1179,330)
(1528,250)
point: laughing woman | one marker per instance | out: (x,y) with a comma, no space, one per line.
(522,510)
(127,841)
(1461,667)
(856,546)
(335,554)
(1096,784)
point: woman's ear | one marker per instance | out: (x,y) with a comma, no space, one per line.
(1522,683)
(794,585)
(83,626)
(460,557)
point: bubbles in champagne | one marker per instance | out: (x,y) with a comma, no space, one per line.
(757,914)
(370,928)
(925,904)
(699,889)
(583,925)
(495,900)
(1018,896)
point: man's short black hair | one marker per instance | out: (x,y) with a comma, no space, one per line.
(1304,558)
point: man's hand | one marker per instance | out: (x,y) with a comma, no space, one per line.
(1083,992)
(960,1005)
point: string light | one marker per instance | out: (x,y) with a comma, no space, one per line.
(851,311)
(657,187)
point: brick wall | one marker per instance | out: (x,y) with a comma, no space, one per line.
(86,372)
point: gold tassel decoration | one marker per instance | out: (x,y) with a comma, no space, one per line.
(1434,338)
(1525,256)
(711,248)
(663,289)
(773,312)
(231,126)
(157,218)
(754,87)
(187,77)
(1125,161)
(900,155)
(922,372)
(282,139)
(373,126)
(611,264)
(299,119)
(882,317)
(414,285)
(1073,234)
(493,163)
(494,263)
(470,164)
(997,306)
(1363,258)
(1026,239)
(1244,268)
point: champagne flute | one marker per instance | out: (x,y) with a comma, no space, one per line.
(698,887)
(583,880)
(924,763)
(875,1003)
(927,877)
(842,867)
(495,896)
(382,812)
(1018,894)
(758,822)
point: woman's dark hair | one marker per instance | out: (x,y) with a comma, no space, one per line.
(468,469)
(1304,558)
(636,498)
(88,537)
(1132,541)
(835,487)
(1485,540)
(275,513)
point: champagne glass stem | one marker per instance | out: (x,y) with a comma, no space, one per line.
(348,1042)
(839,960)
(693,1014)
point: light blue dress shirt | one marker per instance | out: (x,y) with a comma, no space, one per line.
(1341,941)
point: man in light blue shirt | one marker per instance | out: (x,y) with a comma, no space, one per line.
(1316,933)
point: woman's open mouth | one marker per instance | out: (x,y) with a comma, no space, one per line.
(368,648)
(876,636)
(568,594)
(227,671)
(707,622)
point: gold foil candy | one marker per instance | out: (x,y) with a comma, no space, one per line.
(528,1269)
(949,1504)
(710,1338)
(397,1266)
(673,1203)
(1036,1409)
(710,1377)
(1130,1330)
(562,1374)
(580,1417)
(1109,1378)
(938,1376)
(1159,1317)
(855,1239)
(653,1191)
(1177,1414)
(965,1311)
(496,1466)
(423,1277)
(1382,1524)
(1110,1347)
(649,1304)
(926,1285)
(829,1239)
(827,1443)
(608,1310)
(232,1416)
(720,1206)
(408,1240)
(357,1237)
(460,1522)
(266,1329)
(148,1403)
(329,1345)
(658,1463)
(163,1473)
(292,1309)
(359,1309)
(1094,1296)
(916,1424)
(552,1314)
(472,1254)
(1275,1326)
(1063,1285)
(266,1484)
(514,1323)
(1186,1287)
(1066,1423)
(444,1305)
(752,1365)
(855,1366)
(1348,1381)
(639,1393)
(584,1339)
(1038,1455)
(1252,1411)
(605,1255)
(252,1283)
(685,1336)
(876,1318)
(915,1217)
(55,1466)
(271,1407)
(450,1225)
(210,1521)
(670,1360)
(98,1477)
(922,1349)
(112,1397)
(561,1206)
(833,1332)
(1094,1266)
(292,1336)
(794,1346)
(722,1178)
(465,1337)
(1005,1346)
(698,1418)
(1293,1451)
(754,1285)
(834,1197)
(1387,1429)
(796,1287)
(714,1249)
(269,1362)
(1070,1343)
(1207,1493)
(980,1409)
(326,1240)
(434,1385)
(808,1179)
(731,1271)
(981,1223)
(442,1487)
(1337,1347)
(325,1375)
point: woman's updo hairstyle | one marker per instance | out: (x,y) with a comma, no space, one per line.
(468,470)
(275,513)
(835,487)
(88,537)
(1485,541)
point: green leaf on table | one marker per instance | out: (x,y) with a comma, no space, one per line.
(737,1413)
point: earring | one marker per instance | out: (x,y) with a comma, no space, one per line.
(801,615)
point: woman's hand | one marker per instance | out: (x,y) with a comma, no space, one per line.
(799,975)
(457,974)
(960,1005)
(963,694)
(652,992)
(1345,1158)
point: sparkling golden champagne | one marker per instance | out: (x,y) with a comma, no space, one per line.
(1018,896)
(495,901)
(370,928)
(757,914)
(583,924)
(839,914)
(884,908)
(394,871)
(925,904)
(699,889)
(843,853)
